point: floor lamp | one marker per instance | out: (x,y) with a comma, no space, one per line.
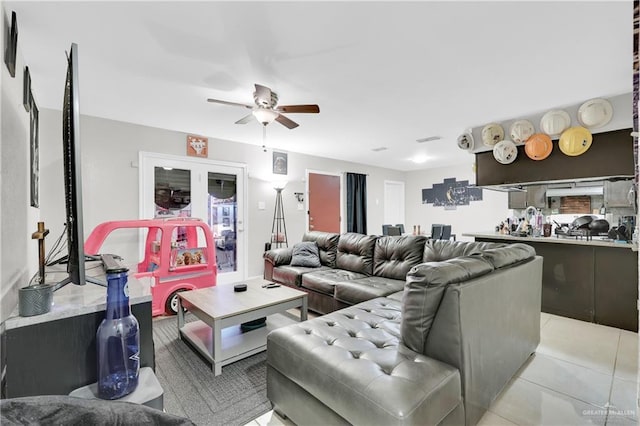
(279,228)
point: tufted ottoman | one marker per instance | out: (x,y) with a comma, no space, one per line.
(350,367)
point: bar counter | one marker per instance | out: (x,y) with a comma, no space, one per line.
(595,281)
(595,241)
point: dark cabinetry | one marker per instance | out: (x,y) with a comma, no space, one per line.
(588,282)
(616,288)
(610,154)
(567,280)
(58,356)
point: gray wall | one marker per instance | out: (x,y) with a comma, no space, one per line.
(18,254)
(110,150)
(478,216)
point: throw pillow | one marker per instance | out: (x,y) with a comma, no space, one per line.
(306,254)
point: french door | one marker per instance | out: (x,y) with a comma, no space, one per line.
(214,191)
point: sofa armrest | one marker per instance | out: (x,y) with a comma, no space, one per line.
(279,256)
(274,258)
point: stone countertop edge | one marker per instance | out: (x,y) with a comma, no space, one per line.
(73,300)
(553,240)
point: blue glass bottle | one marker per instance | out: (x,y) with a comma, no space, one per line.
(118,341)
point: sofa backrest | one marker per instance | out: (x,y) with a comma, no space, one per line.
(394,256)
(427,282)
(327,246)
(441,250)
(423,291)
(355,252)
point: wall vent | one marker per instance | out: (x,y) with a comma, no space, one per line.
(429,139)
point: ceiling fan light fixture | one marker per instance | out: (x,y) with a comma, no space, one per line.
(265,116)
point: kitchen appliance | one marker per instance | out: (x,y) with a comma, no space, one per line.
(600,226)
(582,222)
(628,221)
(583,227)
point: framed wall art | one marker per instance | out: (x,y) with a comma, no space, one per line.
(279,163)
(34,153)
(197,146)
(11,46)
(26,91)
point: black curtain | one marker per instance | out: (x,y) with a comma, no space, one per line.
(356,203)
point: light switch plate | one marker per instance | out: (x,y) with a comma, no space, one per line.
(261,205)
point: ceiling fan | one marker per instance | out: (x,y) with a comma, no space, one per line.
(265,109)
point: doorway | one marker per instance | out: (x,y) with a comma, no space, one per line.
(393,202)
(214,191)
(324,192)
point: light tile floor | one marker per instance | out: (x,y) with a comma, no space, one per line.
(581,374)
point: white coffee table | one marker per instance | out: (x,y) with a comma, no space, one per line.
(220,310)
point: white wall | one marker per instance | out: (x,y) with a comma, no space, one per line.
(109,151)
(478,216)
(18,254)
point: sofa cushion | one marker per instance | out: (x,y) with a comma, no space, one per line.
(362,289)
(305,254)
(355,253)
(501,257)
(292,275)
(352,358)
(394,256)
(440,250)
(327,243)
(423,292)
(324,281)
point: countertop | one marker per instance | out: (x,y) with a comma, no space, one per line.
(554,240)
(73,300)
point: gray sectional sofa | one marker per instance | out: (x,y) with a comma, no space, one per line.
(354,268)
(436,348)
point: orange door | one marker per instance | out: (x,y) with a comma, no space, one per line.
(324,203)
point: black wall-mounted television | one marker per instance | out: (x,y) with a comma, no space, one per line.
(73,177)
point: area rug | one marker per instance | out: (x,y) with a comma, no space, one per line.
(191,390)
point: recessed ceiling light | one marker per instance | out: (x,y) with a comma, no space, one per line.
(382,148)
(429,139)
(419,159)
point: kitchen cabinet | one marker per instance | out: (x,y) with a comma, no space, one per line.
(616,288)
(534,195)
(592,283)
(610,154)
(517,200)
(616,193)
(55,353)
(567,280)
(537,196)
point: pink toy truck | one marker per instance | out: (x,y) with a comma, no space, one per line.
(179,255)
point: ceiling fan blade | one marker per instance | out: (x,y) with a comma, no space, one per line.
(313,109)
(286,122)
(263,92)
(245,119)
(218,101)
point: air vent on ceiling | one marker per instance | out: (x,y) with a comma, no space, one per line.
(382,148)
(429,139)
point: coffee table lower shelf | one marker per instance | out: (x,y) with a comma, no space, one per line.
(236,344)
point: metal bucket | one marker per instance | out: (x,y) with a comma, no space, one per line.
(35,300)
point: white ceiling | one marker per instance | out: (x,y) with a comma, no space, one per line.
(383,73)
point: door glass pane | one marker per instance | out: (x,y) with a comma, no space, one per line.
(172,192)
(172,189)
(222,218)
